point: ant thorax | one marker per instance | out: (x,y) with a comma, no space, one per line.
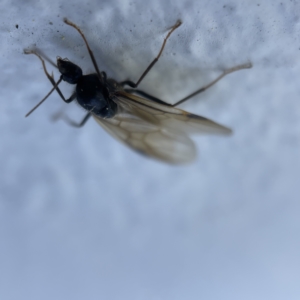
(94,96)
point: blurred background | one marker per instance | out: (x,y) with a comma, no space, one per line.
(84,217)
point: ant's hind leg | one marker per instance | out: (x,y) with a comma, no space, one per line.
(225,72)
(154,99)
(147,96)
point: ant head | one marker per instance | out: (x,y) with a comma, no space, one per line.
(69,71)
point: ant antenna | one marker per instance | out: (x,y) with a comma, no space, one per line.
(88,47)
(54,87)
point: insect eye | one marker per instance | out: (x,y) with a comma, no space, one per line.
(69,71)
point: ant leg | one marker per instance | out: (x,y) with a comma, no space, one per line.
(71,122)
(88,47)
(225,72)
(134,85)
(146,95)
(127,82)
(152,98)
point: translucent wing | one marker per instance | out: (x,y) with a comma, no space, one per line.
(157,130)
(170,117)
(149,139)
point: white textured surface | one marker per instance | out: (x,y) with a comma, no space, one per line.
(83,217)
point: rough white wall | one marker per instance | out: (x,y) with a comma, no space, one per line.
(83,217)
